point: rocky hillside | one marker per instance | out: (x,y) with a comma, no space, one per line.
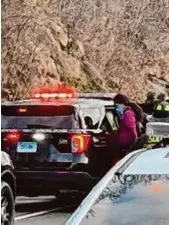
(93,45)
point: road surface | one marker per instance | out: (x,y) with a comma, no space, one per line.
(45,210)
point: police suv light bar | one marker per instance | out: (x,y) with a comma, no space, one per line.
(53,95)
(79,95)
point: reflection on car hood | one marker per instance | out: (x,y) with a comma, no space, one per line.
(144,203)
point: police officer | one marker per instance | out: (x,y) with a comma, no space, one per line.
(161,97)
(160,114)
(151,97)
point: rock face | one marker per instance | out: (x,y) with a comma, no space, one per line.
(99,50)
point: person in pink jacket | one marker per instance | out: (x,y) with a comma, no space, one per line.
(120,141)
(130,115)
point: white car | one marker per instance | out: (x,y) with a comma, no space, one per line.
(134,192)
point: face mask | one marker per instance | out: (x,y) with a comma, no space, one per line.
(120,110)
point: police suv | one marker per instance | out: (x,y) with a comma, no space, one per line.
(51,146)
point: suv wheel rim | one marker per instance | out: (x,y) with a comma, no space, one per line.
(5,210)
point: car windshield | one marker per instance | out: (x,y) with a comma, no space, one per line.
(58,117)
(131,200)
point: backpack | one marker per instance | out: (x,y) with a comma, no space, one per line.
(138,111)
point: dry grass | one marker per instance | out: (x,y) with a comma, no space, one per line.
(123,42)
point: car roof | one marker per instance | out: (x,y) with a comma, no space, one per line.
(83,102)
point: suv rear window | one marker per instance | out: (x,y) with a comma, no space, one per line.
(21,117)
(37,110)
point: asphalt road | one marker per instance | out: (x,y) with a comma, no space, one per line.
(46,210)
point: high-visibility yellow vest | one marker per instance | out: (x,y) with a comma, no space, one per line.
(152,140)
(162,106)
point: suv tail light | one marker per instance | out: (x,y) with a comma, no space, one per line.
(80,143)
(12,137)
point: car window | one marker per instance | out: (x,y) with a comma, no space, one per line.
(95,113)
(110,121)
(58,117)
(57,122)
(131,200)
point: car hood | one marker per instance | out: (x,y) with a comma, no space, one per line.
(153,161)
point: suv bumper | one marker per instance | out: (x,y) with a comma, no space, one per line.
(49,182)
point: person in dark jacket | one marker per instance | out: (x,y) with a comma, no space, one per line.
(161,97)
(151,97)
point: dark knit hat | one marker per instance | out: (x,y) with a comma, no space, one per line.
(121,99)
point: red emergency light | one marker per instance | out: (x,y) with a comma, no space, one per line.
(22,110)
(53,95)
(55,92)
(13,137)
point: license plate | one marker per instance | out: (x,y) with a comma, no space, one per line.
(27,147)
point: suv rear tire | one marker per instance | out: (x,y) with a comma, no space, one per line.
(7,204)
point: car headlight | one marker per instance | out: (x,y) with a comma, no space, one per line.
(39,137)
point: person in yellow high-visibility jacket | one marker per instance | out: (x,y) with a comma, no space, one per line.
(160,112)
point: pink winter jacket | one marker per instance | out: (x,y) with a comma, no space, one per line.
(128,129)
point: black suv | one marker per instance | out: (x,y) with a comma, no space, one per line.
(51,146)
(8,190)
